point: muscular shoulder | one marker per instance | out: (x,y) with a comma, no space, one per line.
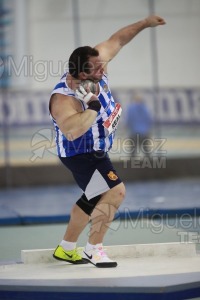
(60,104)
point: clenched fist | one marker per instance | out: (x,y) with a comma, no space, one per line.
(153,21)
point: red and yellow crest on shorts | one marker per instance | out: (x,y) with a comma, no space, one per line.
(112,175)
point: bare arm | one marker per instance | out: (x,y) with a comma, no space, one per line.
(72,121)
(114,44)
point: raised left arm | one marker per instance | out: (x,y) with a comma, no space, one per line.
(109,48)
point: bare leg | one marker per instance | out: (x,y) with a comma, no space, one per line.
(104,213)
(102,216)
(78,221)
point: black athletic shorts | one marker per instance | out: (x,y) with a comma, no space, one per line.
(93,172)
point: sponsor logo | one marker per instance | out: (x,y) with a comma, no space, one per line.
(89,256)
(70,256)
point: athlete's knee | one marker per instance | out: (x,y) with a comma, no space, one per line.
(117,194)
(120,191)
(88,205)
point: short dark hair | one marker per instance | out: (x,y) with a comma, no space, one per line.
(78,61)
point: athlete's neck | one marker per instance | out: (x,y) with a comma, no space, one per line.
(72,82)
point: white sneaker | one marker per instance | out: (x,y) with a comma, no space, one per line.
(99,258)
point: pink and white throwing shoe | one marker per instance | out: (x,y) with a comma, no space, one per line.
(98,258)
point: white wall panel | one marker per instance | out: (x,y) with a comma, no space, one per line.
(51,39)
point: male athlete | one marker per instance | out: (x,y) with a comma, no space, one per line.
(85,125)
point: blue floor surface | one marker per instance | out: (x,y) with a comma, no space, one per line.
(52,204)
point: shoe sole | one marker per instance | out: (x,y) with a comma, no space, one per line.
(103,265)
(75,262)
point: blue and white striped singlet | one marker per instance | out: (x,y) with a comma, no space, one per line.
(96,138)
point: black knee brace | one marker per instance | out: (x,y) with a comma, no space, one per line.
(88,205)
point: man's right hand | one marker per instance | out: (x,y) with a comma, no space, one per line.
(85,94)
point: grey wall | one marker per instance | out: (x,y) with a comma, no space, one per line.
(44,39)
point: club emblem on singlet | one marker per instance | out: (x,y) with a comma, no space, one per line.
(105,88)
(112,175)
